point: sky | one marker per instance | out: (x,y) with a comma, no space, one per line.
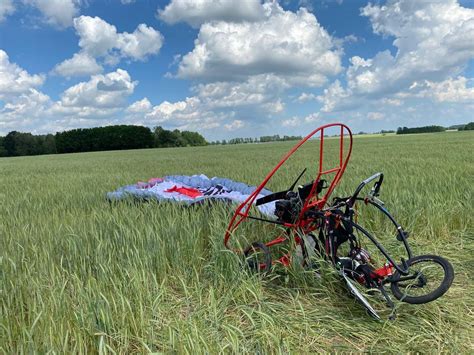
(235,68)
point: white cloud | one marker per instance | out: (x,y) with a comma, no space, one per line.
(96,36)
(6,8)
(81,64)
(259,89)
(127,2)
(391,101)
(433,41)
(450,90)
(187,114)
(21,104)
(304,97)
(197,12)
(101,96)
(297,121)
(274,106)
(333,96)
(142,42)
(302,53)
(291,122)
(217,104)
(187,110)
(15,80)
(375,116)
(234,125)
(103,100)
(141,106)
(58,13)
(23,111)
(99,39)
(313,117)
(107,91)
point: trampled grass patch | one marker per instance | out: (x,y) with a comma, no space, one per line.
(78,274)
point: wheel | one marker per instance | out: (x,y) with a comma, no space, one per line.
(258,257)
(430,277)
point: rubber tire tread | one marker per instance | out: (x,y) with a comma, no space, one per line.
(441,290)
(266,251)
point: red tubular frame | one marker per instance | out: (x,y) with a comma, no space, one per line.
(313,201)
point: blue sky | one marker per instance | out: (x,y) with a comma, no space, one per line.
(235,68)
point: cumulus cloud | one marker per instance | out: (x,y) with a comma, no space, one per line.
(234,125)
(187,114)
(246,66)
(101,96)
(217,104)
(58,13)
(260,89)
(375,116)
(81,64)
(108,90)
(24,112)
(304,53)
(454,90)
(99,39)
(197,12)
(101,100)
(297,121)
(96,36)
(291,122)
(23,103)
(391,101)
(140,106)
(304,97)
(433,41)
(15,80)
(312,117)
(6,8)
(142,42)
(333,97)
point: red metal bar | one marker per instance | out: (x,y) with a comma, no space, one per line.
(321,151)
(330,171)
(276,241)
(341,147)
(244,208)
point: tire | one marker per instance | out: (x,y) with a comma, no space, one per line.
(399,287)
(261,266)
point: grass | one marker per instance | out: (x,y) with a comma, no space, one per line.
(80,275)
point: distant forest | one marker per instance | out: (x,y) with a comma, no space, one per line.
(468,127)
(432,129)
(138,137)
(425,129)
(96,139)
(262,139)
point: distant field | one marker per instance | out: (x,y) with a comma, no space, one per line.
(80,275)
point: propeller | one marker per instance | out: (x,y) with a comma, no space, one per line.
(279,195)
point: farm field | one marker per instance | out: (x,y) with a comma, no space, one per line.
(78,274)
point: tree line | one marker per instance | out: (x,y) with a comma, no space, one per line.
(467,127)
(262,139)
(424,129)
(117,137)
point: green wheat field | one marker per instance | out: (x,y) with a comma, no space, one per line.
(81,275)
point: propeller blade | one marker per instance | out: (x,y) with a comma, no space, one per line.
(297,179)
(272,197)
